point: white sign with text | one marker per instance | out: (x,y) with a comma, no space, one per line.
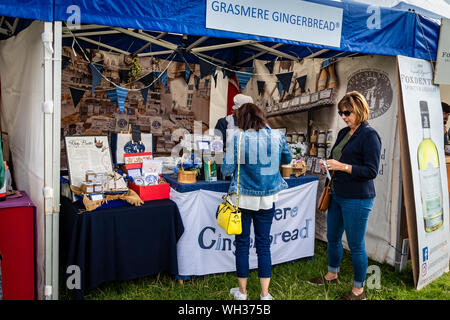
(291,20)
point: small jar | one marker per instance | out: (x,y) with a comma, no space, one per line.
(87,187)
(301,137)
(321,150)
(322,137)
(329,136)
(90,175)
(98,186)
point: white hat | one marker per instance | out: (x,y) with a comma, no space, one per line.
(241,99)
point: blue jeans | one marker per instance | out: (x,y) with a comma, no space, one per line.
(262,221)
(351,216)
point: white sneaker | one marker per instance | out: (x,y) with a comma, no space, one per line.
(238,295)
(268,297)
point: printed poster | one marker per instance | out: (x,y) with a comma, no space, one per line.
(424,129)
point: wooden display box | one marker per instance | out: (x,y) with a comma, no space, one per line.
(153,192)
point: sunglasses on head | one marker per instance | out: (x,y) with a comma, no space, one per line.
(345,113)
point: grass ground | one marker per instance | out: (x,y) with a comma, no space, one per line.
(289,282)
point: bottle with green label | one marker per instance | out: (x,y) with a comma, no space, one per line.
(430,175)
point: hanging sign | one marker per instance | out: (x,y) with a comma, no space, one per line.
(442,74)
(285,19)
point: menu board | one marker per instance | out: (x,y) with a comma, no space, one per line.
(87,153)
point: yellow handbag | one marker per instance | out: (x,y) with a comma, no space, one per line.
(229,217)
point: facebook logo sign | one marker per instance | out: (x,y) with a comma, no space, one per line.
(425,254)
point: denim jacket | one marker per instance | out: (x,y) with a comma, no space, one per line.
(262,152)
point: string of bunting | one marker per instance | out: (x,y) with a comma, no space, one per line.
(206,68)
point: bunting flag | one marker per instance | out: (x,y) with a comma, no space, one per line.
(112,95)
(65,62)
(121,96)
(77,95)
(325,63)
(243,79)
(280,88)
(96,71)
(187,73)
(124,75)
(147,79)
(228,73)
(269,66)
(144,92)
(302,82)
(163,79)
(260,86)
(205,68)
(285,79)
(223,73)
(197,81)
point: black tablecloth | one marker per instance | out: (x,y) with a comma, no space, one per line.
(119,243)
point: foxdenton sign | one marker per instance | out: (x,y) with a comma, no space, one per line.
(284,19)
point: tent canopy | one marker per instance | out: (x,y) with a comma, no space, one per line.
(430,8)
(117,26)
(27,9)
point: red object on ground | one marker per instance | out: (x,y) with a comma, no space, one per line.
(154,192)
(17,247)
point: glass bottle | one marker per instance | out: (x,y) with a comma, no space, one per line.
(429,175)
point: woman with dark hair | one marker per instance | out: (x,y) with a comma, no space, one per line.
(262,150)
(354,162)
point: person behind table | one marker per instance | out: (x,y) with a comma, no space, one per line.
(230,122)
(260,182)
(445,113)
(354,164)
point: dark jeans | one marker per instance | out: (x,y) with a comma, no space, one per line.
(350,215)
(262,221)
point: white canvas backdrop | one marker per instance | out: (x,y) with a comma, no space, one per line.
(22,93)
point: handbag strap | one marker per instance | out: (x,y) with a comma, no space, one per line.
(239,169)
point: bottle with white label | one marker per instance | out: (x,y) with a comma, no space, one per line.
(430,175)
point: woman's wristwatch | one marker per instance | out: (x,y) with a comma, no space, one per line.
(346,168)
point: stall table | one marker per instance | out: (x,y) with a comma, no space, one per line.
(119,243)
(204,248)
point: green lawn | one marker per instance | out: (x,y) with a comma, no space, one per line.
(289,282)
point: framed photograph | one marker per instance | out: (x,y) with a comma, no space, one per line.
(315,97)
(325,94)
(305,99)
(87,153)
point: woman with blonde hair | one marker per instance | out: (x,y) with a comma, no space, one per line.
(354,163)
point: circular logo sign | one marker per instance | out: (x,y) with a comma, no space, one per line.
(376,88)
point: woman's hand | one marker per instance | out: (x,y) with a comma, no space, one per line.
(338,166)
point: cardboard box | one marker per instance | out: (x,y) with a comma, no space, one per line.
(153,192)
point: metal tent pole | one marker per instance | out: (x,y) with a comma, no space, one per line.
(57,45)
(47,108)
